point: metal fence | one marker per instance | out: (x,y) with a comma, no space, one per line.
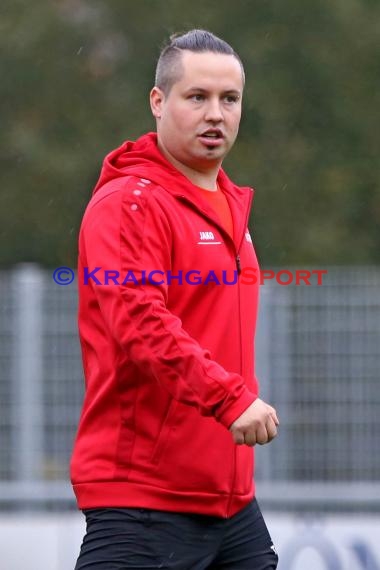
(318,357)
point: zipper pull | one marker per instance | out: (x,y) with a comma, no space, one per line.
(238,264)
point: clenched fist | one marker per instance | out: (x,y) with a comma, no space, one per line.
(257,424)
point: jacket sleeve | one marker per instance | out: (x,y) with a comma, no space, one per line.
(128,233)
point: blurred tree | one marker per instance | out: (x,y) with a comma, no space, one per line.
(75,81)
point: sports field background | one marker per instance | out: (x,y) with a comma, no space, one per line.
(75,81)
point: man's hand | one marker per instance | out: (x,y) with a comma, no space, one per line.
(257,424)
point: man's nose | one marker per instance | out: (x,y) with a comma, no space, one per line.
(214,111)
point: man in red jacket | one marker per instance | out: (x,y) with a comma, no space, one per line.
(163,460)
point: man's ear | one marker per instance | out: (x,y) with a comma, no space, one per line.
(156,100)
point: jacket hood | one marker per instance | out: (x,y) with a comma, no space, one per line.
(143,158)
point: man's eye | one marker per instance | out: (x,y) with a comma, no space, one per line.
(197,97)
(231,98)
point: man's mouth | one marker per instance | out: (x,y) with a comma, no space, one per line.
(212,137)
(212,133)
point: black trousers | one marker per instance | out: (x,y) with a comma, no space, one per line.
(136,539)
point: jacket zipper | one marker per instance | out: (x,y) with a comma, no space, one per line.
(237,257)
(238,264)
(238,261)
(238,267)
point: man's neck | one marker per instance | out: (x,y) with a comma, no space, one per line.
(203,179)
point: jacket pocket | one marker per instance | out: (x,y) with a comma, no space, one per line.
(165,432)
(125,442)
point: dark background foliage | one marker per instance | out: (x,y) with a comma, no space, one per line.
(75,77)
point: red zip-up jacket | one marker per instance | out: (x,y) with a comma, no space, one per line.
(168,366)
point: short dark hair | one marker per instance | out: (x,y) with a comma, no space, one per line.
(169,69)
